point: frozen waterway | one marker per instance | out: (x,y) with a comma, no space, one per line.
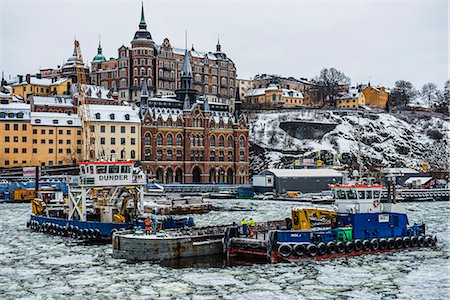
(38,266)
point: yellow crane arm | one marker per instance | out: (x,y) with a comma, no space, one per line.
(301,218)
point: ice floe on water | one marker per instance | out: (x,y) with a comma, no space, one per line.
(38,266)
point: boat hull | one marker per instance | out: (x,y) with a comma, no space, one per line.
(145,248)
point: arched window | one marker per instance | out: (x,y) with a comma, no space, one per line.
(142,71)
(135,71)
(221,141)
(122,154)
(159,139)
(149,71)
(179,140)
(241,142)
(169,139)
(274,97)
(133,154)
(147,139)
(212,156)
(147,154)
(212,141)
(230,141)
(135,82)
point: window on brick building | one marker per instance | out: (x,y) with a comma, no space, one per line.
(221,156)
(221,141)
(159,155)
(212,156)
(179,155)
(169,155)
(230,156)
(159,139)
(179,140)
(147,154)
(242,142)
(169,139)
(212,141)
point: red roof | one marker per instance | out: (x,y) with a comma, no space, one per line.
(106,163)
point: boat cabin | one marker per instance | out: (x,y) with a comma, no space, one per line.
(51,196)
(105,173)
(358,198)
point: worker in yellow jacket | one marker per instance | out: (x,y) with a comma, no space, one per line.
(244,227)
(251,225)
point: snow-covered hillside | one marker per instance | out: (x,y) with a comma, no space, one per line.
(404,140)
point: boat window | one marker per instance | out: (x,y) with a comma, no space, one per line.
(125,169)
(361,194)
(114,169)
(341,194)
(376,194)
(369,194)
(91,169)
(83,170)
(101,169)
(351,194)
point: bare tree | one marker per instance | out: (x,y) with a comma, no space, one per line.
(329,84)
(430,94)
(402,94)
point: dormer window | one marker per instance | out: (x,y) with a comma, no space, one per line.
(38,121)
(20,115)
(11,115)
(2,115)
(97,116)
(127,117)
(70,122)
(55,121)
(112,116)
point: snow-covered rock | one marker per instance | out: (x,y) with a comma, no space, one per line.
(400,140)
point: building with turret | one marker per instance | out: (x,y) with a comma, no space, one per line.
(213,73)
(185,138)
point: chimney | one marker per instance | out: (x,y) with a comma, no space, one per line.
(20,78)
(28,78)
(38,76)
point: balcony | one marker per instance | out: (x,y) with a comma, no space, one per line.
(164,78)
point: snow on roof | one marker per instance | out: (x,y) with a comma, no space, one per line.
(113,113)
(54,119)
(14,111)
(93,91)
(418,180)
(41,81)
(292,93)
(53,101)
(255,92)
(353,93)
(305,172)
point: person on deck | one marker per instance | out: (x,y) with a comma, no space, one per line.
(251,225)
(244,227)
(148,224)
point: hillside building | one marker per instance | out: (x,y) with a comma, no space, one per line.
(352,99)
(273,97)
(375,96)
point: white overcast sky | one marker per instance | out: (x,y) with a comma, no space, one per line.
(380,41)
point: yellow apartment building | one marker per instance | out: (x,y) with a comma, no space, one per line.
(40,87)
(352,99)
(55,138)
(15,132)
(375,96)
(114,132)
(274,96)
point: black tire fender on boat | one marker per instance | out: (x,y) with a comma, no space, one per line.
(340,247)
(76,231)
(358,245)
(383,244)
(311,250)
(28,223)
(331,247)
(428,241)
(366,245)
(398,243)
(406,242)
(299,249)
(421,241)
(97,234)
(414,241)
(91,234)
(285,250)
(349,247)
(322,248)
(374,244)
(391,243)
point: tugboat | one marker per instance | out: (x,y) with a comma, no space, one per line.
(361,224)
(109,197)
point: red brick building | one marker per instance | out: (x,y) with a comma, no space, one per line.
(214,74)
(192,140)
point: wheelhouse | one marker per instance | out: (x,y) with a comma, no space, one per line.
(109,174)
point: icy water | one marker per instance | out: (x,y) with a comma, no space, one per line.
(38,266)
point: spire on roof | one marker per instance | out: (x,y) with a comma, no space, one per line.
(186,103)
(206,104)
(218,47)
(192,49)
(142,24)
(186,70)
(144,90)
